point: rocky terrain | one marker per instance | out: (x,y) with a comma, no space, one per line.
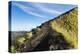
(56,34)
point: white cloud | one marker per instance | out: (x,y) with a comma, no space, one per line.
(28,10)
(40,7)
(45,9)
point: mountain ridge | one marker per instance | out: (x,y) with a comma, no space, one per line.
(56,33)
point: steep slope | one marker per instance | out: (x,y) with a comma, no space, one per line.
(67,25)
(56,34)
(64,25)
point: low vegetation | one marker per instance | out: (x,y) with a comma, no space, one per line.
(66,24)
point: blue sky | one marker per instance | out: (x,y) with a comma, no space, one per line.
(28,15)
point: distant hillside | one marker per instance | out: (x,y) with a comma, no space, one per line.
(56,34)
(14,34)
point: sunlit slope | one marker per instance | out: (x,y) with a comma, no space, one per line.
(67,25)
(62,31)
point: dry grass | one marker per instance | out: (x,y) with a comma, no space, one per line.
(67,25)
